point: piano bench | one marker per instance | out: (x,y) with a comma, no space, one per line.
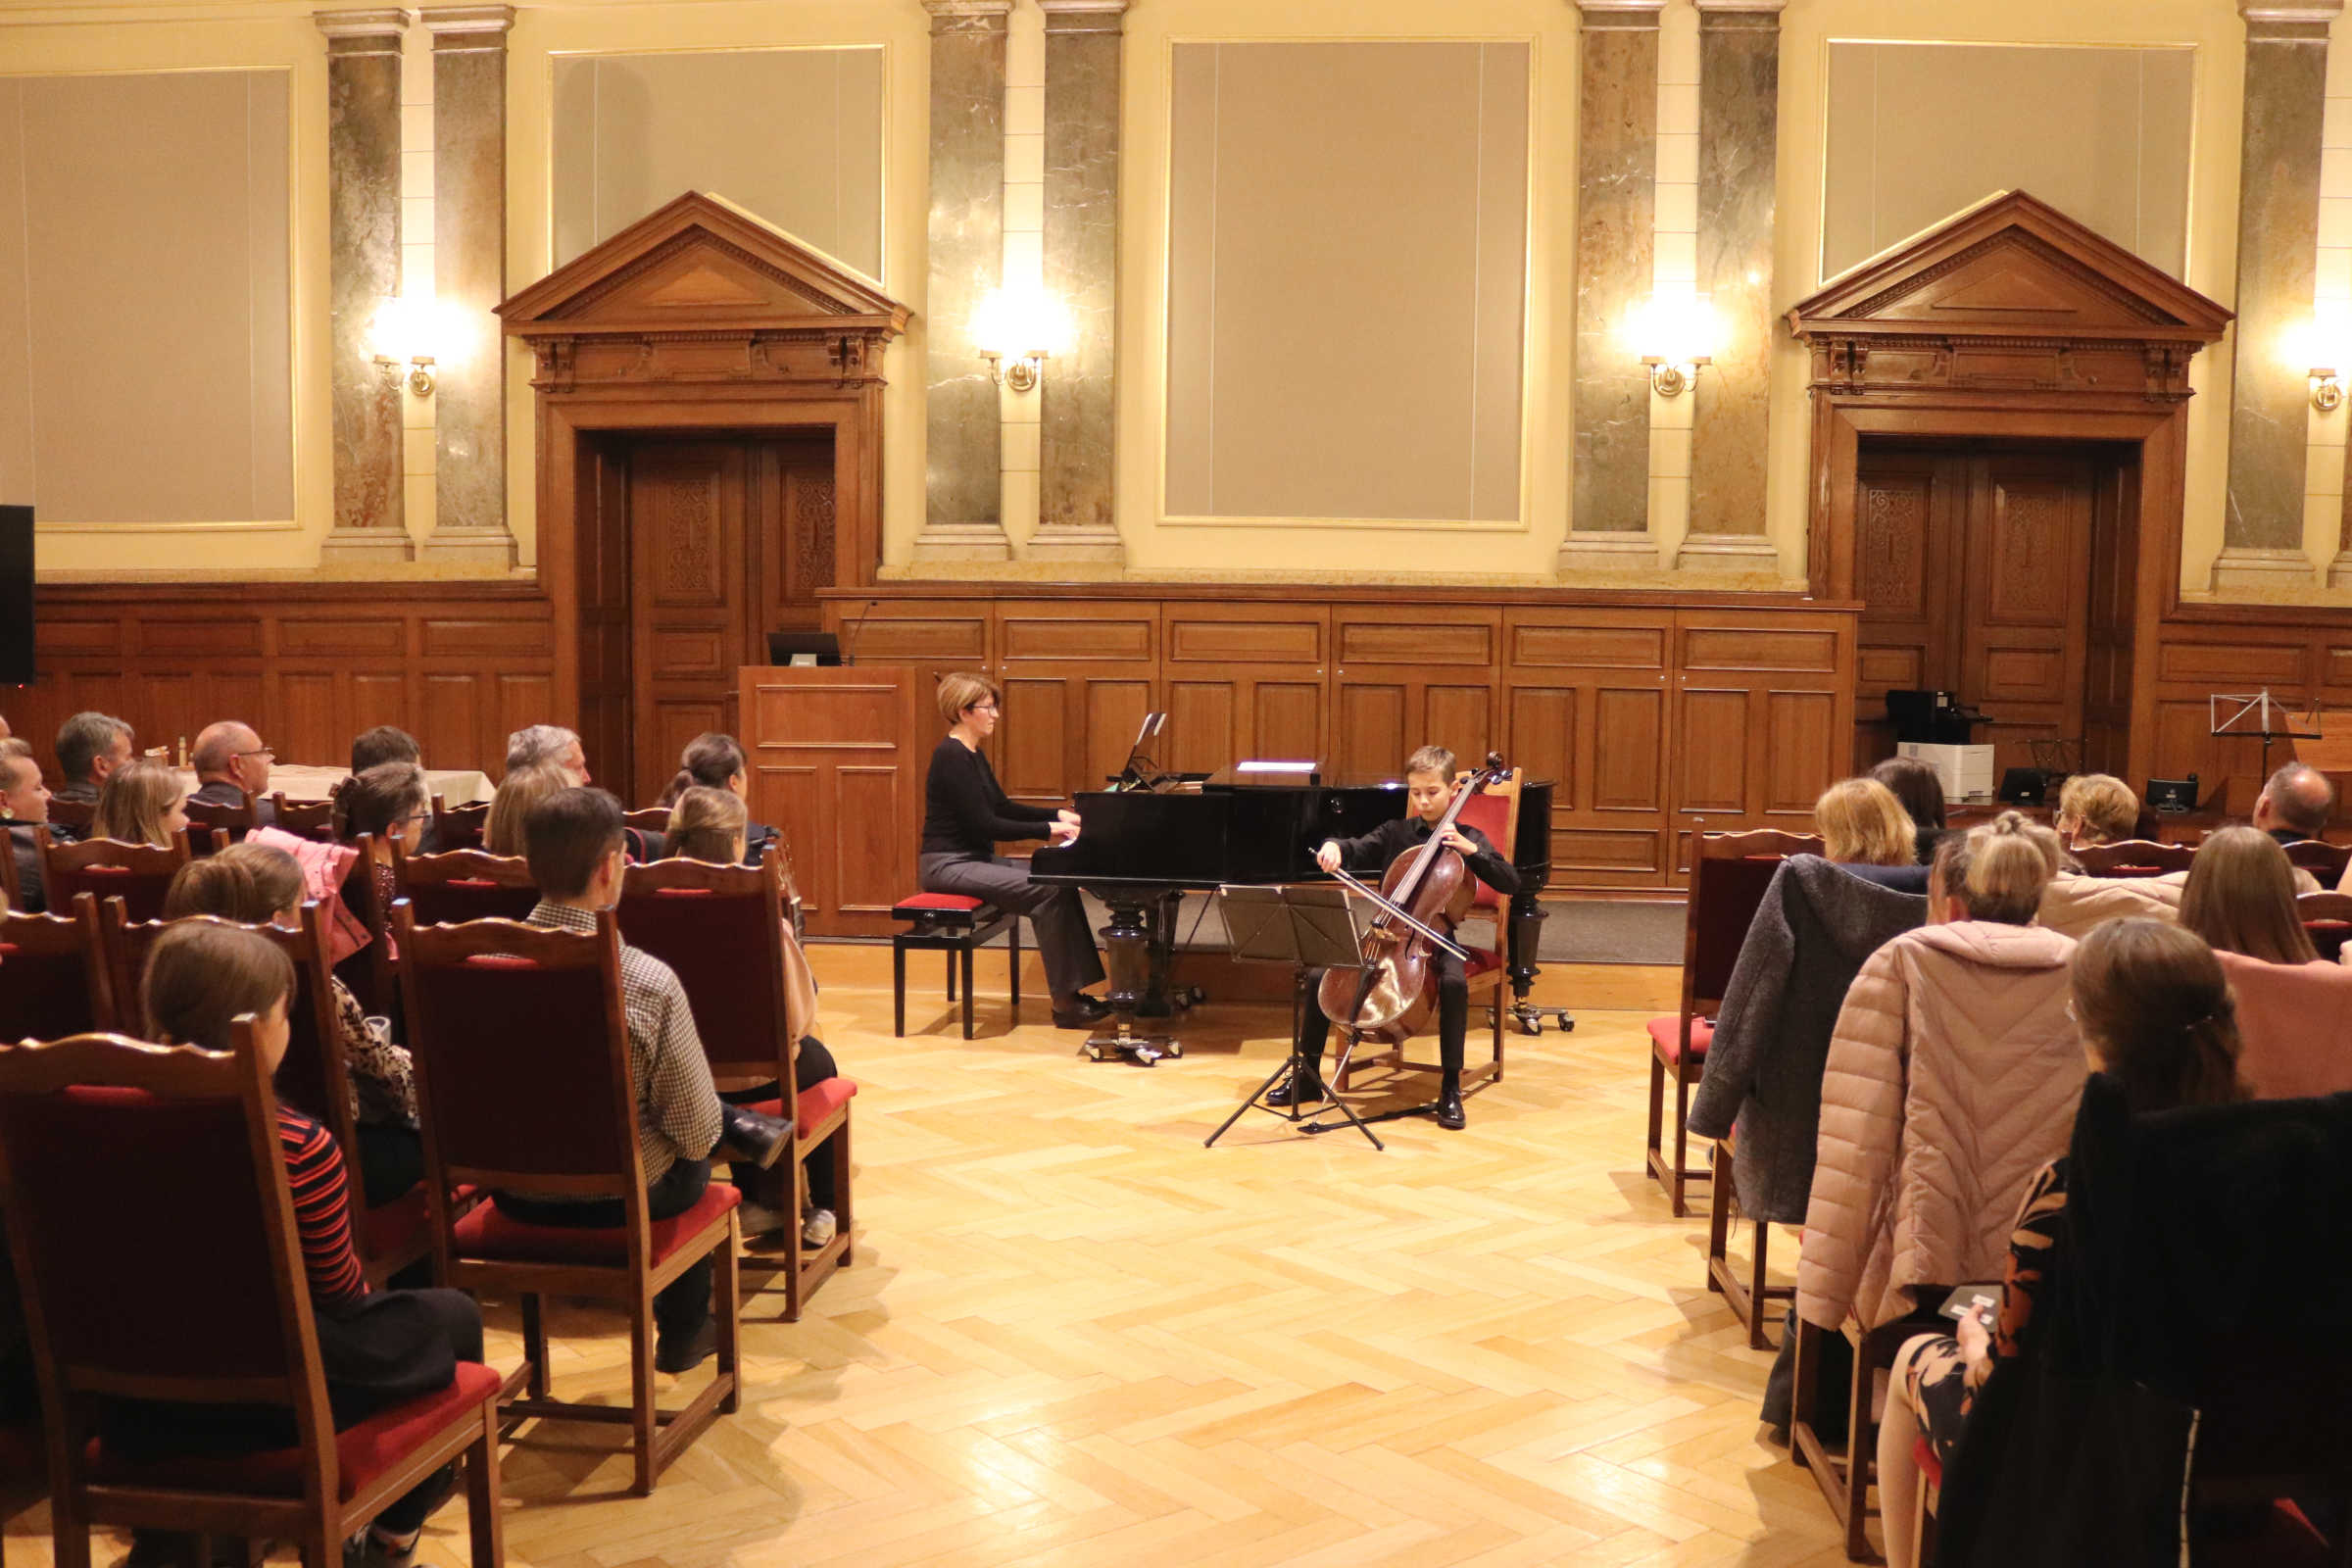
(954,925)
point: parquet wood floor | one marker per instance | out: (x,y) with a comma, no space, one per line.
(1073,1337)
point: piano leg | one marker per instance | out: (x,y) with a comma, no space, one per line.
(1127,943)
(1159,1001)
(1522,935)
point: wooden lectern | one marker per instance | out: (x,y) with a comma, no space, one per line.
(838,762)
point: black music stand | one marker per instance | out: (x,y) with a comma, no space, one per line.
(1309,926)
(2260,713)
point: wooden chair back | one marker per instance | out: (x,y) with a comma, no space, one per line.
(1495,811)
(53,979)
(72,818)
(2328,920)
(204,819)
(2133,858)
(139,874)
(12,892)
(1729,873)
(721,928)
(460,885)
(648,820)
(314,820)
(2322,859)
(458,827)
(367,974)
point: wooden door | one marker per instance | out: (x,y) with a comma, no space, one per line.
(689,610)
(1974,569)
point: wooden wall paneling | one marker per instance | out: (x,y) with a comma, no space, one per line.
(927,637)
(1407,675)
(1078,678)
(1762,718)
(1585,699)
(1241,681)
(2195,662)
(837,762)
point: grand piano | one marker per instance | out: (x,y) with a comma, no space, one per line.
(1157,837)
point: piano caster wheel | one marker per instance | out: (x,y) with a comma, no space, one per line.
(1187,997)
(1531,1023)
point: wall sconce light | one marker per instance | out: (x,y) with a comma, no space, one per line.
(2327,391)
(2321,344)
(1023,326)
(1675,336)
(403,331)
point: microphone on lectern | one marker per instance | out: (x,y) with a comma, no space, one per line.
(848,639)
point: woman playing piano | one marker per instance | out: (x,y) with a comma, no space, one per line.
(966,814)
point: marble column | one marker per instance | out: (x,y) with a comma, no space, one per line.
(469,279)
(1617,159)
(2278,230)
(1082,271)
(362,226)
(963,498)
(1739,163)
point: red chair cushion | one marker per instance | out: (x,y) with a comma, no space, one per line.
(1480,962)
(487,1233)
(362,1452)
(935,904)
(817,1102)
(1667,1035)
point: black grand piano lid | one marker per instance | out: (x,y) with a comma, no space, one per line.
(1260,834)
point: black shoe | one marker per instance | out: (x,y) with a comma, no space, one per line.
(1303,1087)
(748,1138)
(675,1356)
(1450,1115)
(1083,1012)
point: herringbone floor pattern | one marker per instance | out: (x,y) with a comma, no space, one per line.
(1074,1337)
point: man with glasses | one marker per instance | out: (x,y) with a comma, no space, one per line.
(232,767)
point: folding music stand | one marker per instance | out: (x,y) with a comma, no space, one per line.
(2262,715)
(1309,926)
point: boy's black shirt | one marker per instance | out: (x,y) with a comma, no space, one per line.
(1378,849)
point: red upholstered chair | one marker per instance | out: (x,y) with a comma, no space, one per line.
(138,875)
(2322,859)
(313,1077)
(1729,873)
(2133,858)
(954,925)
(53,980)
(2327,919)
(458,827)
(192,1148)
(721,928)
(464,885)
(205,819)
(552,1109)
(1494,811)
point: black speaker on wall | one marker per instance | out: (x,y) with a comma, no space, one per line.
(16,596)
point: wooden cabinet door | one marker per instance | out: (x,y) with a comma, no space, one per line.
(1910,531)
(1763,718)
(1421,674)
(2026,600)
(688,605)
(1584,705)
(1244,681)
(1078,678)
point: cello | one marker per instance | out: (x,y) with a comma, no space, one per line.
(1424,895)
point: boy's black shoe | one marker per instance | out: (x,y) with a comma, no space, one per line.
(1450,1114)
(1303,1087)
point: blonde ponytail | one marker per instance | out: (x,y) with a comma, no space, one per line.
(1998,870)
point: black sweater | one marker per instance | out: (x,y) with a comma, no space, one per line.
(1378,849)
(966,810)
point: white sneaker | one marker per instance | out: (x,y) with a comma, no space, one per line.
(817,1227)
(757,1219)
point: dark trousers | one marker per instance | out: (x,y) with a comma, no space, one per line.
(1453,1014)
(812,1065)
(685,1302)
(1059,913)
(391,1161)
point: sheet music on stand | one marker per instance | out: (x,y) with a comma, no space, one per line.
(1309,926)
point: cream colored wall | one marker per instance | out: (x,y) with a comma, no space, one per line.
(2212,27)
(49,39)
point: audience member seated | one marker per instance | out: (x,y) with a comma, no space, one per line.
(2295,804)
(548,743)
(683,1124)
(233,768)
(391,801)
(2294,1008)
(259,885)
(710,824)
(1862,823)
(1920,790)
(2240,895)
(2096,808)
(519,795)
(2073,903)
(90,747)
(384,744)
(23,806)
(716,761)
(377,1348)
(2156,1015)
(140,802)
(1950,1075)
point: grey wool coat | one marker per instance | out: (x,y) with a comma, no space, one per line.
(1809,938)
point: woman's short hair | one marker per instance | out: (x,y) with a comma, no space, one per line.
(1861,822)
(960,692)
(2156,1010)
(706,823)
(2240,897)
(250,883)
(2104,806)
(570,833)
(1919,787)
(713,759)
(506,831)
(1997,871)
(373,801)
(201,976)
(132,801)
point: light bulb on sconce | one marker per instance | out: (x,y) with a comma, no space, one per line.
(1674,333)
(2318,347)
(404,334)
(1016,330)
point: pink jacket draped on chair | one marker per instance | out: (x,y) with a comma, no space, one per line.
(2296,1022)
